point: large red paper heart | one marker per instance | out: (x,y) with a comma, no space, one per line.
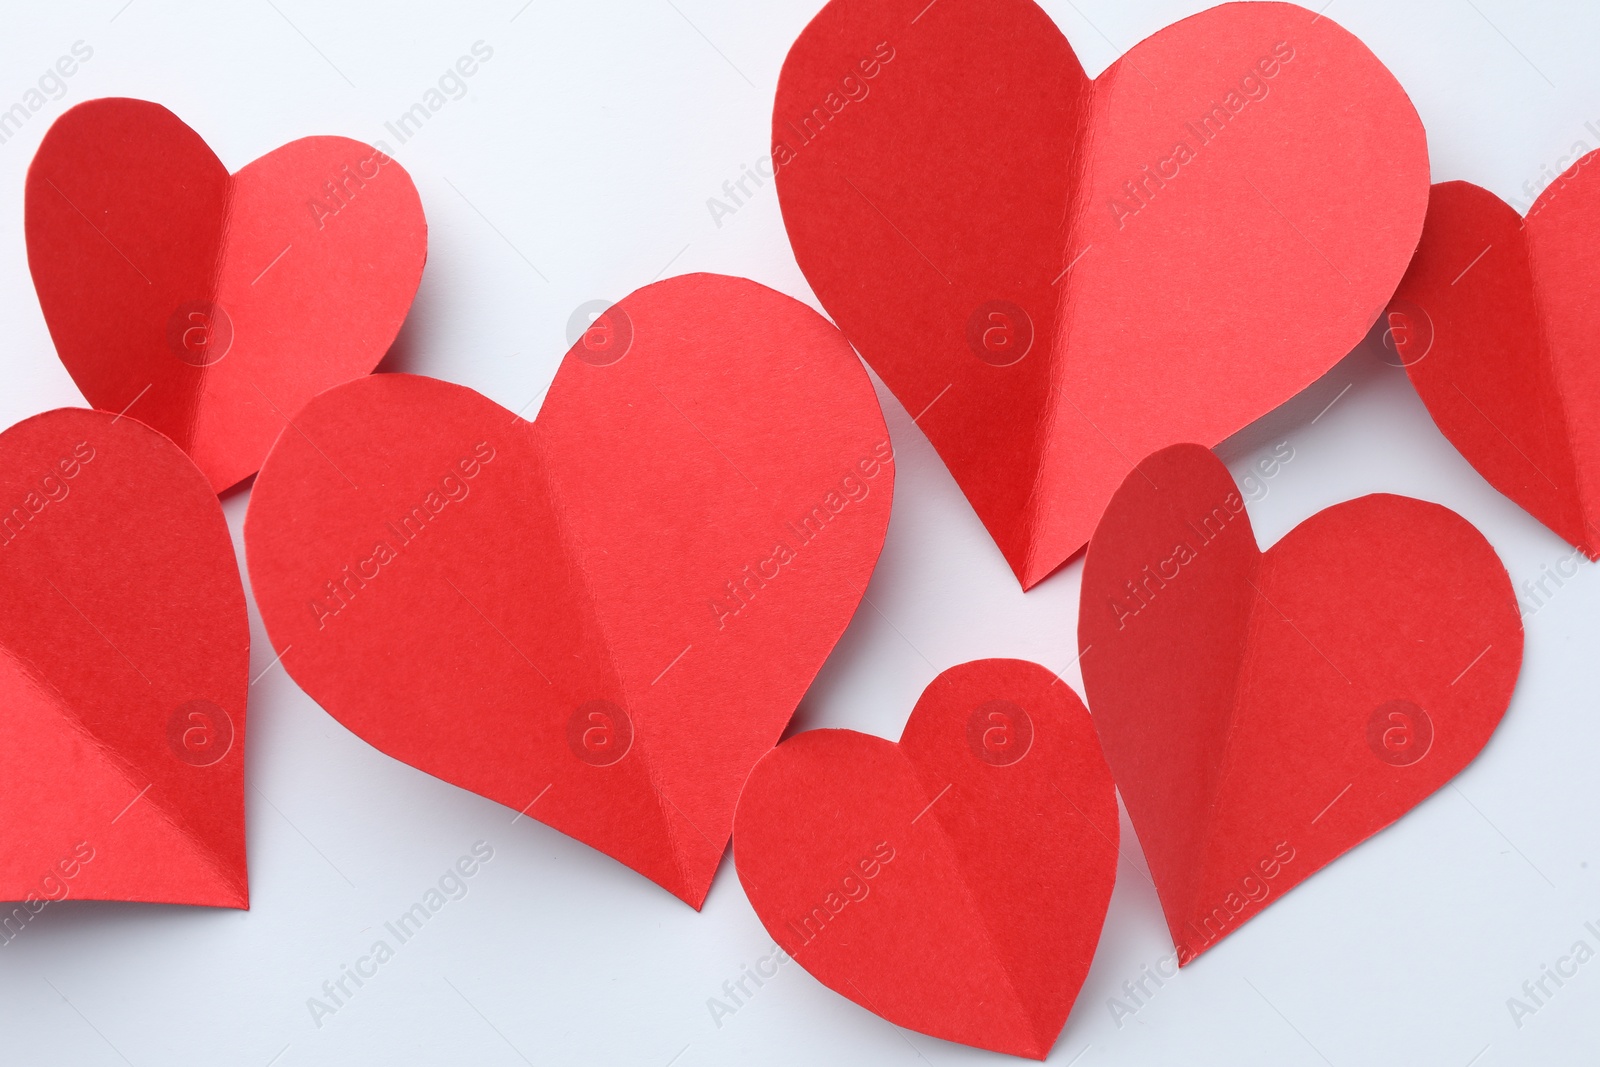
(1265,712)
(124,663)
(1496,322)
(211,306)
(605,617)
(1057,276)
(954,883)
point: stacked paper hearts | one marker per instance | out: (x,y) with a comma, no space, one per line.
(1057,276)
(198,304)
(604,618)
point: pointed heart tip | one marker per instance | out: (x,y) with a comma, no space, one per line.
(1035,572)
(1036,1046)
(223,895)
(694,896)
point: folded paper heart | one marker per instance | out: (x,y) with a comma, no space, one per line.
(124,663)
(602,618)
(1056,275)
(213,306)
(1263,713)
(1495,322)
(954,883)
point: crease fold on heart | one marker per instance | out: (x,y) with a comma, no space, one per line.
(602,617)
(194,869)
(954,883)
(1057,275)
(682,853)
(124,668)
(1265,712)
(1495,325)
(210,305)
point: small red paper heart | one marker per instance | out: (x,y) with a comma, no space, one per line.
(602,618)
(954,883)
(1495,323)
(1056,275)
(1263,713)
(124,664)
(207,305)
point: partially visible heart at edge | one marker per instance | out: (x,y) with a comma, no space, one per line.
(1495,323)
(124,669)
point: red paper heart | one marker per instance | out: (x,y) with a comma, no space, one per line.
(124,663)
(1495,322)
(620,612)
(1049,284)
(954,883)
(1265,712)
(211,306)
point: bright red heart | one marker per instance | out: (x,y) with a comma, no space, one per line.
(211,306)
(954,883)
(1495,322)
(605,617)
(124,663)
(1263,713)
(1057,275)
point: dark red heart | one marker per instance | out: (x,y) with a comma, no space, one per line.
(1264,712)
(1496,323)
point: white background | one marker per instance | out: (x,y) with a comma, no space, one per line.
(578,167)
